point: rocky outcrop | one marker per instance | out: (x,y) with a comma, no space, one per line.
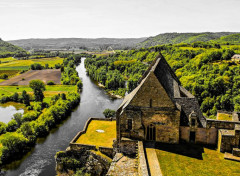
(91,162)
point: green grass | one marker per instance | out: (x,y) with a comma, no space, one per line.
(222,116)
(8,59)
(192,160)
(92,137)
(50,90)
(25,64)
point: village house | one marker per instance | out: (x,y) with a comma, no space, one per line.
(236,57)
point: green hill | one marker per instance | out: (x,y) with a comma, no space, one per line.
(233,39)
(175,38)
(7,50)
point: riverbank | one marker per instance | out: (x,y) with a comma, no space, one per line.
(40,160)
(21,139)
(110,92)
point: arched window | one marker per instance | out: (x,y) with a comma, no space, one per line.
(151,133)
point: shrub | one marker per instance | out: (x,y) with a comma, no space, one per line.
(50,83)
(109,113)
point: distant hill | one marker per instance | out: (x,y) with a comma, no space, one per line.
(174,38)
(233,39)
(8,49)
(77,43)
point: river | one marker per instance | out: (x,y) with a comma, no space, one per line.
(40,161)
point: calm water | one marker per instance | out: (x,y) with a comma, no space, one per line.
(40,161)
(6,113)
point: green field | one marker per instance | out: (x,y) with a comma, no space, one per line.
(192,160)
(14,64)
(50,90)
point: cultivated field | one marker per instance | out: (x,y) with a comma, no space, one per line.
(44,75)
(48,93)
(14,64)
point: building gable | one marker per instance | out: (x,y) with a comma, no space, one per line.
(151,93)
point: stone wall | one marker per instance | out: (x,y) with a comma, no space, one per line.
(107,151)
(221,124)
(203,135)
(226,142)
(236,152)
(142,163)
(75,146)
(128,147)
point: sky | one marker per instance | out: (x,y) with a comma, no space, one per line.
(22,19)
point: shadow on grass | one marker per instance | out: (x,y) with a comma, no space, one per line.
(190,150)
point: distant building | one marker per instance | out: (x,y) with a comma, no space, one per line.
(236,57)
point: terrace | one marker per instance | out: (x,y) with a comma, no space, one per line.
(98,134)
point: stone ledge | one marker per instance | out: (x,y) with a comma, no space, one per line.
(230,156)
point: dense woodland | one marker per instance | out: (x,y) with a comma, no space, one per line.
(205,69)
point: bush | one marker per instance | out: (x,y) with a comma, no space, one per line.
(36,66)
(50,83)
(109,113)
(3,128)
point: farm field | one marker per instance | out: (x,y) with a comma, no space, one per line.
(193,160)
(15,64)
(44,75)
(12,67)
(48,93)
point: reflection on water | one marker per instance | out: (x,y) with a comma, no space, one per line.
(40,161)
(6,113)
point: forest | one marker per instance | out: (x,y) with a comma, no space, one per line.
(203,68)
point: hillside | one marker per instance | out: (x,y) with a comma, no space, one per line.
(175,38)
(209,74)
(8,49)
(77,43)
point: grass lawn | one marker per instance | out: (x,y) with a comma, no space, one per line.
(222,116)
(92,137)
(192,160)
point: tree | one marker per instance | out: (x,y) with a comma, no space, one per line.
(15,97)
(26,98)
(18,118)
(109,113)
(38,87)
(79,85)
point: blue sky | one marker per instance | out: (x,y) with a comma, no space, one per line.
(22,19)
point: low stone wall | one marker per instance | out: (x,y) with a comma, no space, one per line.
(236,152)
(203,135)
(107,151)
(226,142)
(142,163)
(75,146)
(221,124)
(128,147)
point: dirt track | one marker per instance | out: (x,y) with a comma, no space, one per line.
(44,75)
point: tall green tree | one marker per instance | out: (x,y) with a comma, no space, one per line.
(38,87)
